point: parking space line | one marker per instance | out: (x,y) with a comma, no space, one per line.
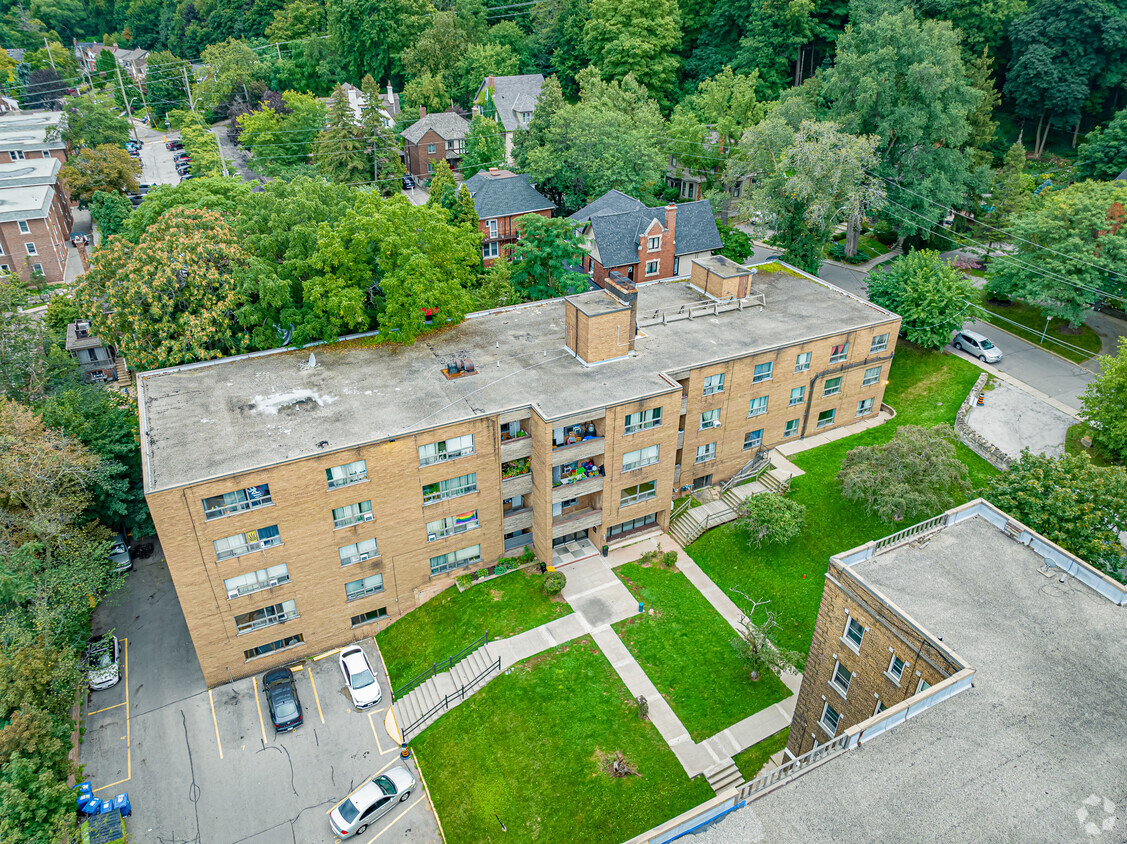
(316,698)
(128,735)
(375,735)
(215,721)
(258,706)
(386,828)
(327,653)
(107,709)
(364,783)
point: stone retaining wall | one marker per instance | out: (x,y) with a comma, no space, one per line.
(974,440)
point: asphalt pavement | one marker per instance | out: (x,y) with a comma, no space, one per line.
(157,165)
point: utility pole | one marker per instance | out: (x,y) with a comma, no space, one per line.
(145,105)
(50,58)
(127,101)
(278,47)
(188,87)
(222,160)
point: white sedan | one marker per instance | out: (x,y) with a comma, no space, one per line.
(359,678)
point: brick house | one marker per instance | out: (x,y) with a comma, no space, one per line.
(431,139)
(98,362)
(511,101)
(501,198)
(644,244)
(31,135)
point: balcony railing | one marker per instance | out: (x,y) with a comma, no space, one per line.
(265,621)
(443,494)
(578,451)
(248,548)
(352,519)
(451,531)
(348,480)
(573,522)
(446,455)
(250,589)
(237,507)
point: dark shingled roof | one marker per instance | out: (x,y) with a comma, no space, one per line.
(449,126)
(504,194)
(514,94)
(618,223)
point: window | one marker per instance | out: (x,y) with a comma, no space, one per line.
(16,155)
(790,429)
(802,362)
(357,552)
(245,543)
(655,243)
(1,249)
(455,559)
(703,482)
(895,669)
(446,450)
(922,685)
(651,267)
(369,585)
(636,494)
(430,167)
(841,678)
(872,376)
(368,617)
(492,224)
(430,149)
(281,644)
(451,525)
(839,353)
(37,268)
(643,420)
(753,439)
(797,396)
(758,406)
(829,719)
(763,372)
(31,250)
(714,384)
(826,417)
(633,524)
(349,473)
(854,633)
(880,343)
(5,268)
(864,407)
(244,584)
(257,619)
(352,514)
(490,250)
(706,452)
(880,707)
(710,419)
(24,227)
(452,488)
(632,460)
(832,386)
(233,502)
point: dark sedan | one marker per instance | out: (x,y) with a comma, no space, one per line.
(282,699)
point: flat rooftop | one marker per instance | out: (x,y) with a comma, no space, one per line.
(29,128)
(1036,745)
(721,266)
(19,203)
(597,303)
(221,417)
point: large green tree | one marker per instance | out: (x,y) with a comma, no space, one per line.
(931,297)
(485,146)
(104,168)
(341,152)
(225,195)
(1105,402)
(387,164)
(109,211)
(284,137)
(545,257)
(370,35)
(90,124)
(1103,155)
(559,47)
(632,37)
(166,81)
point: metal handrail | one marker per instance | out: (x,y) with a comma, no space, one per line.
(439,667)
(749,469)
(444,704)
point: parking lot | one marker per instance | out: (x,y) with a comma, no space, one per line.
(205,766)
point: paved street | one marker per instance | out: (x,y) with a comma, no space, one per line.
(157,165)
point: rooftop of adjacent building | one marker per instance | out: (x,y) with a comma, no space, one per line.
(1015,758)
(269,407)
(503,193)
(21,129)
(448,125)
(22,203)
(79,337)
(618,222)
(30,171)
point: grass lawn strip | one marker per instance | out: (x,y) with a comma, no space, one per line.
(685,648)
(1100,457)
(452,620)
(529,750)
(751,761)
(925,388)
(1031,322)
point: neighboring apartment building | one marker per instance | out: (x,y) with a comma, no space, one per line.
(97,362)
(1001,650)
(501,198)
(35,218)
(31,134)
(511,101)
(431,139)
(299,506)
(621,234)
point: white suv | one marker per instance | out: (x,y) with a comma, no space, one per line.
(977,346)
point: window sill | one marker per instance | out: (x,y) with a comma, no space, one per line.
(369,621)
(353,524)
(837,688)
(278,651)
(458,567)
(800,371)
(348,600)
(440,537)
(265,626)
(459,495)
(348,484)
(448,458)
(827,731)
(626,471)
(761,380)
(760,413)
(208,520)
(247,553)
(892,677)
(750,446)
(369,559)
(699,461)
(258,590)
(626,433)
(855,648)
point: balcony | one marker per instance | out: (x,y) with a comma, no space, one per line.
(516,448)
(582,450)
(680,440)
(575,522)
(514,520)
(577,488)
(684,405)
(517,485)
(517,543)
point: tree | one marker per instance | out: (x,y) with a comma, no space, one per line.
(296,20)
(558,27)
(1104,402)
(203,148)
(480,61)
(438,49)
(165,84)
(756,645)
(915,474)
(341,152)
(370,35)
(1011,191)
(54,56)
(90,124)
(544,258)
(280,138)
(981,120)
(45,89)
(225,195)
(636,38)
(465,211)
(109,211)
(24,349)
(983,23)
(232,66)
(388,167)
(442,189)
(931,297)
(1070,245)
(771,517)
(1077,505)
(1103,155)
(737,244)
(903,80)
(105,168)
(485,146)
(106,66)
(172,297)
(425,91)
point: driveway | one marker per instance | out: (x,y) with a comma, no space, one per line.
(205,766)
(1012,420)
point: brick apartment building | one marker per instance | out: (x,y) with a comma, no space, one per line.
(500,198)
(31,135)
(644,244)
(299,506)
(431,139)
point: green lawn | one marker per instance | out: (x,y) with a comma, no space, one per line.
(751,761)
(1031,322)
(1099,456)
(452,620)
(925,388)
(686,650)
(868,246)
(528,750)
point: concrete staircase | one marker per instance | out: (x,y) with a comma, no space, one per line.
(453,686)
(690,524)
(723,776)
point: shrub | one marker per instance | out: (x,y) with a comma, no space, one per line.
(465,581)
(554,582)
(669,559)
(884,233)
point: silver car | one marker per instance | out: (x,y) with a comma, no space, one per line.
(103,662)
(371,801)
(977,346)
(359,678)
(119,554)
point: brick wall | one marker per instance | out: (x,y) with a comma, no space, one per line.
(49,236)
(418,156)
(508,231)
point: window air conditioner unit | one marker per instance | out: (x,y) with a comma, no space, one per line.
(367,517)
(431,537)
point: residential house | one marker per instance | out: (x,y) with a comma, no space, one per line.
(322,499)
(35,218)
(389,104)
(87,52)
(133,62)
(97,362)
(501,197)
(432,138)
(511,101)
(644,244)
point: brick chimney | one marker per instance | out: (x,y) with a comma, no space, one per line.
(422,111)
(623,290)
(670,226)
